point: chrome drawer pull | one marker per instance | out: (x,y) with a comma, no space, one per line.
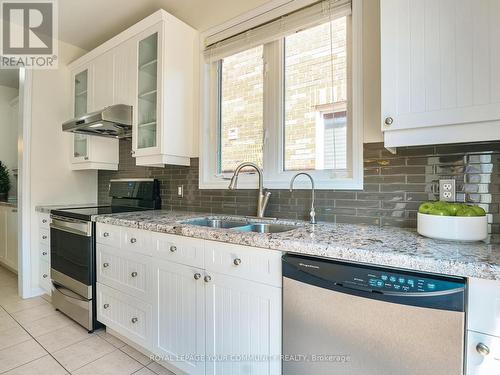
(105,234)
(197,276)
(207,279)
(237,261)
(482,349)
(105,265)
(173,248)
(134,320)
(133,240)
(106,305)
(133,274)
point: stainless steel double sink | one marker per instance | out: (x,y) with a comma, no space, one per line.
(241,226)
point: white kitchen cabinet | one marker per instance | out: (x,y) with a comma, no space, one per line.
(3,234)
(483,354)
(8,237)
(203,303)
(44,252)
(124,72)
(243,318)
(11,237)
(440,77)
(103,67)
(180,317)
(92,90)
(165,101)
(126,315)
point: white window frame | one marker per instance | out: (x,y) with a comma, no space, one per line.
(274,176)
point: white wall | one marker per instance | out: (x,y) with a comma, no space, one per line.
(8,130)
(52,180)
(371,71)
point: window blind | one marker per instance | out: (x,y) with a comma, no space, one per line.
(309,16)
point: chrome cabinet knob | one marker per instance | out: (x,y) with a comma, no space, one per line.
(86,158)
(207,279)
(134,320)
(106,305)
(44,237)
(133,240)
(389,120)
(237,261)
(133,274)
(132,152)
(105,265)
(45,276)
(482,349)
(197,276)
(44,221)
(105,234)
(173,248)
(44,253)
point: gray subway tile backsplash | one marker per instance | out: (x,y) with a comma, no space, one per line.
(394,186)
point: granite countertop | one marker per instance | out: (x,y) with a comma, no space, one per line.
(45,209)
(8,204)
(393,247)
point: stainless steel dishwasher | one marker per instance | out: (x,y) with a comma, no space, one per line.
(349,319)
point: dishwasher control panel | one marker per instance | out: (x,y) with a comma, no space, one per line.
(396,282)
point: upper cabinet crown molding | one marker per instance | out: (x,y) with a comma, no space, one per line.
(440,77)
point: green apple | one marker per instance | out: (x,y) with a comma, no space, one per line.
(425,207)
(478,210)
(466,211)
(440,211)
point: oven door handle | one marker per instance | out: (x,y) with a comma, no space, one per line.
(80,229)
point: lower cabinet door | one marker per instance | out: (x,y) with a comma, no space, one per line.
(483,354)
(180,331)
(126,315)
(243,330)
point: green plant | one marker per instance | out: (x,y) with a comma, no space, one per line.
(4,179)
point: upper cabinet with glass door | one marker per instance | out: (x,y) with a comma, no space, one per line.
(93,90)
(165,101)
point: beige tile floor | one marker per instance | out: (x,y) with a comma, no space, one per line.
(37,340)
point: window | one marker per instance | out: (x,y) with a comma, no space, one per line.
(241,106)
(286,96)
(315,77)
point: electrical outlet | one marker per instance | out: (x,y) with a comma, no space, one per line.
(447,191)
(180,191)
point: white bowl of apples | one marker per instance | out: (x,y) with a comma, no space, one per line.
(452,221)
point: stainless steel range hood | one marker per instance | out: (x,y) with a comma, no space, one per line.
(113,122)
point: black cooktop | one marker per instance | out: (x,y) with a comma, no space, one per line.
(86,213)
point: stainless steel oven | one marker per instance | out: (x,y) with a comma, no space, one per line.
(73,247)
(72,268)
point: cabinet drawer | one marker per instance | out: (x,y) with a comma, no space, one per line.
(484,306)
(45,282)
(108,234)
(125,271)
(136,240)
(179,249)
(126,315)
(482,362)
(44,236)
(43,221)
(44,252)
(263,266)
